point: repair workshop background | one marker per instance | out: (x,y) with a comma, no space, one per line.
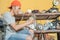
(29,4)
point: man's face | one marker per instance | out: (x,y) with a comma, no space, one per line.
(16,9)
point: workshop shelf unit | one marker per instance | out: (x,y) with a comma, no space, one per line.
(40,16)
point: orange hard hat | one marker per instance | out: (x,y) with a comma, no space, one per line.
(16,3)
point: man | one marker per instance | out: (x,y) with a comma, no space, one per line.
(13,31)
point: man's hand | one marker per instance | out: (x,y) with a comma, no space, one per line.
(30,21)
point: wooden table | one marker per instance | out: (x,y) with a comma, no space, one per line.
(44,32)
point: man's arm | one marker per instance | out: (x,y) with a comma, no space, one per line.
(18,27)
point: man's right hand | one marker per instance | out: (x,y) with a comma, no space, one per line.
(30,21)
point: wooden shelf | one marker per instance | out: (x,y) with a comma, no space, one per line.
(47,31)
(39,16)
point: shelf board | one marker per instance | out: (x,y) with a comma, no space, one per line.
(39,16)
